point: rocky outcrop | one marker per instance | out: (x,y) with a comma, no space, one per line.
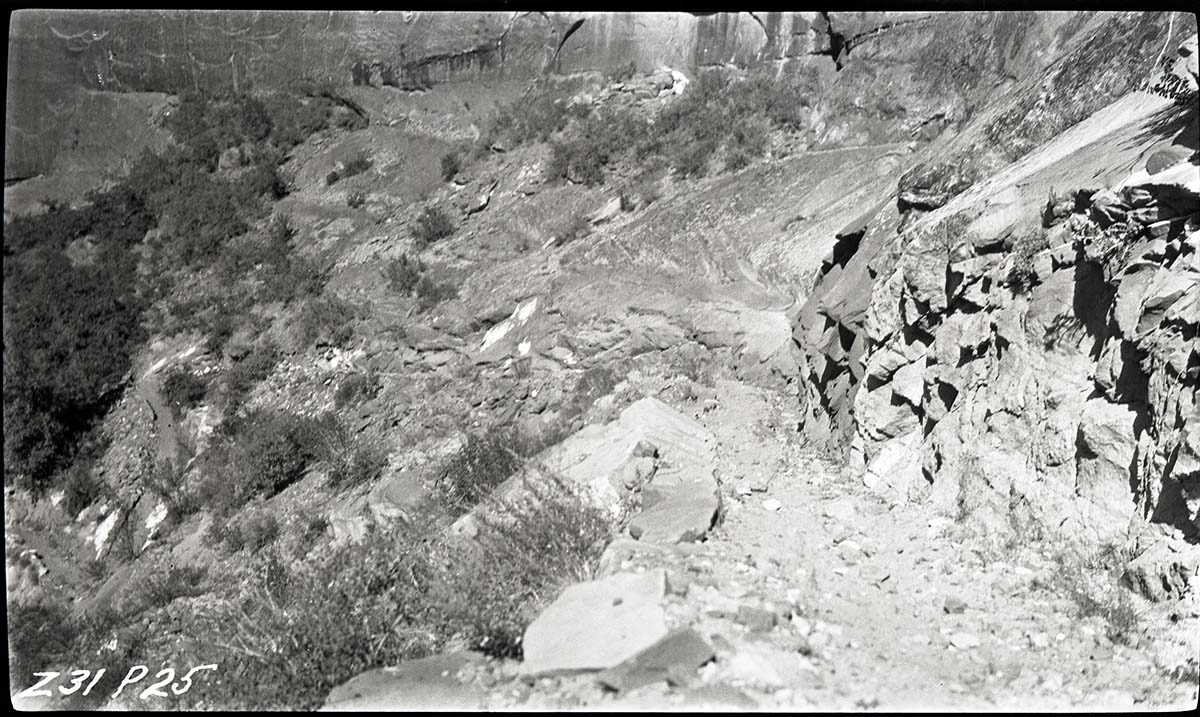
(1010,366)
(597,625)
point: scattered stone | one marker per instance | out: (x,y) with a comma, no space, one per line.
(772,504)
(755,618)
(753,666)
(673,659)
(964,640)
(597,625)
(954,605)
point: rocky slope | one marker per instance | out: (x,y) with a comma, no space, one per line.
(974,282)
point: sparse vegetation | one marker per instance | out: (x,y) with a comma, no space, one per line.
(399,596)
(403,273)
(1093,582)
(247,372)
(431,292)
(327,321)
(451,165)
(355,388)
(485,461)
(1025,247)
(432,226)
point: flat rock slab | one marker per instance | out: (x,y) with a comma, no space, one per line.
(672,659)
(425,684)
(683,515)
(597,625)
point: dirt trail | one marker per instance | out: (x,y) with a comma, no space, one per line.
(892,606)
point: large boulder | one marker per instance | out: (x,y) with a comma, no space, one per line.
(597,625)
(681,500)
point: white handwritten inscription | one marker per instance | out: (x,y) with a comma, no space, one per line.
(162,679)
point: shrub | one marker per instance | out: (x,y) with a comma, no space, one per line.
(357,164)
(482,463)
(182,389)
(403,273)
(350,462)
(258,530)
(355,388)
(1093,582)
(327,321)
(332,177)
(451,165)
(433,225)
(533,117)
(354,200)
(41,636)
(258,453)
(1025,247)
(246,373)
(431,292)
(574,226)
(314,528)
(81,487)
(624,72)
(529,548)
(160,588)
(167,482)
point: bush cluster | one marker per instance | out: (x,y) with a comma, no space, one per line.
(403,273)
(433,225)
(327,321)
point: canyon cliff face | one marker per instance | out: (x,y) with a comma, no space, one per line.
(1023,351)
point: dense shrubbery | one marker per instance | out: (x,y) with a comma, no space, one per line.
(259,453)
(70,333)
(71,330)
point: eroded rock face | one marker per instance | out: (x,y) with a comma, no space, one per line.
(982,359)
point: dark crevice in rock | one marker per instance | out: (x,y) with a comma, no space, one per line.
(844,248)
(839,46)
(1093,298)
(947,393)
